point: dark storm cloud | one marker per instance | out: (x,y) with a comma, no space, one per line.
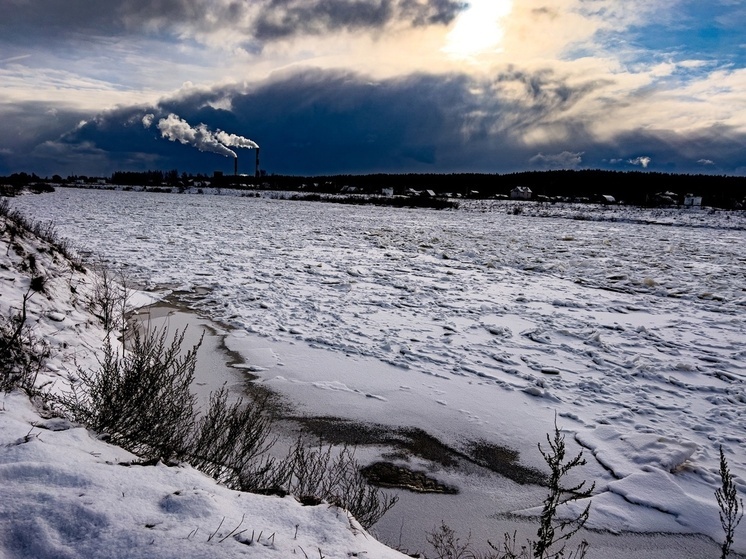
(324,121)
(675,152)
(316,122)
(313,121)
(564,160)
(46,140)
(547,90)
(26,124)
(266,19)
(45,19)
(284,18)
(335,121)
(426,122)
(538,96)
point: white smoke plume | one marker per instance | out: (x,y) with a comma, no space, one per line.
(177,129)
(234,140)
(147,120)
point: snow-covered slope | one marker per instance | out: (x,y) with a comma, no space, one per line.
(58,313)
(67,494)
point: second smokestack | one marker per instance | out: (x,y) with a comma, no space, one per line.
(235,166)
(257,162)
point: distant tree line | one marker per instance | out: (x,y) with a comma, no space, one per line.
(154,178)
(632,187)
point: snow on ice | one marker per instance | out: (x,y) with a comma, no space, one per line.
(477,324)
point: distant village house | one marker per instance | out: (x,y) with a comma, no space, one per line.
(521,193)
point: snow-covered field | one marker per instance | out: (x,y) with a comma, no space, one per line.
(475,324)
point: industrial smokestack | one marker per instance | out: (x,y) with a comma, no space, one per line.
(177,129)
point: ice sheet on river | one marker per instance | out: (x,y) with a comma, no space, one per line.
(472,324)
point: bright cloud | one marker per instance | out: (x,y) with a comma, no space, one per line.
(642,161)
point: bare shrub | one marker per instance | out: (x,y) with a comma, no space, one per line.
(230,441)
(447,544)
(43,230)
(509,549)
(731,507)
(323,473)
(4,207)
(108,300)
(347,487)
(553,531)
(22,354)
(140,398)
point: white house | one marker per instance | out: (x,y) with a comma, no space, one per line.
(692,201)
(521,193)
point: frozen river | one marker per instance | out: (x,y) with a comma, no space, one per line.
(475,324)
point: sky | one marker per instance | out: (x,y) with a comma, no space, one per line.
(368,86)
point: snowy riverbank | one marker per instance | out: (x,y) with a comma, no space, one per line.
(67,494)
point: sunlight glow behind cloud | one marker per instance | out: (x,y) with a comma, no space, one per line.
(478,29)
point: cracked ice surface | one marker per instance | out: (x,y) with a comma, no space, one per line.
(472,324)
